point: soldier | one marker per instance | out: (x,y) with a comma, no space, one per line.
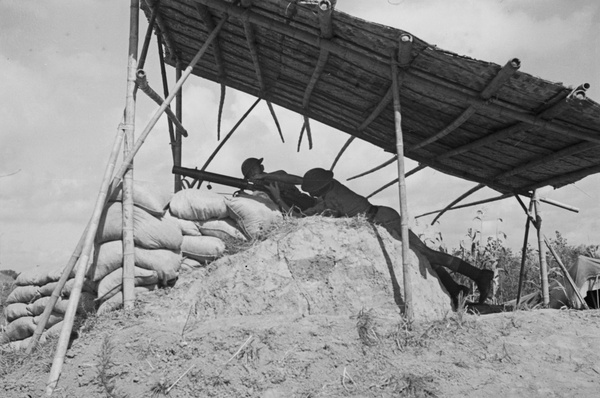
(339,201)
(253,169)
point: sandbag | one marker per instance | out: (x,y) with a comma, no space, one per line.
(20,328)
(109,256)
(48,288)
(189,264)
(146,196)
(40,276)
(254,214)
(85,304)
(16,310)
(52,332)
(23,294)
(224,229)
(111,283)
(202,248)
(115,302)
(196,205)
(149,232)
(187,227)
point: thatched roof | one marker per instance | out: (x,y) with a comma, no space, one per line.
(472,119)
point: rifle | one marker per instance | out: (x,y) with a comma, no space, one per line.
(199,175)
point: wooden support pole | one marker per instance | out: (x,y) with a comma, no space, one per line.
(381,166)
(164,32)
(408,304)
(142,83)
(566,273)
(129,137)
(178,144)
(212,155)
(501,77)
(479,202)
(107,187)
(163,73)
(344,147)
(542,250)
(251,40)
(457,200)
(558,204)
(149,29)
(528,222)
(389,184)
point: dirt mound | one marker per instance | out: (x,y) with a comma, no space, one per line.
(310,312)
(318,266)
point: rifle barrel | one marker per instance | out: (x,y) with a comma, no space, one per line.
(213,177)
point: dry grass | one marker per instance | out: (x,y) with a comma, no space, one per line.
(105,365)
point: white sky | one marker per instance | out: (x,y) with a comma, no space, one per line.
(63,67)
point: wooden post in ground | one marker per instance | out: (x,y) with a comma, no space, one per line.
(106,187)
(129,137)
(178,144)
(408,305)
(542,249)
(524,251)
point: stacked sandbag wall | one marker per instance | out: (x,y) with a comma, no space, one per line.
(157,243)
(209,222)
(26,303)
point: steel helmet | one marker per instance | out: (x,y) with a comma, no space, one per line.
(249,164)
(316,179)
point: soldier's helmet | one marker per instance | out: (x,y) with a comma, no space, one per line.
(249,164)
(316,179)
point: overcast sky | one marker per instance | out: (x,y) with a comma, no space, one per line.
(63,66)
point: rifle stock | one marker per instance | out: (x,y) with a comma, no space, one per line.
(215,178)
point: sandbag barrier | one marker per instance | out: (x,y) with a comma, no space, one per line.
(172,233)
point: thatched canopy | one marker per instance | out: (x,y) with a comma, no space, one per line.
(472,119)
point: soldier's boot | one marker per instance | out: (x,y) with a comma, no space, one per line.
(482,277)
(453,288)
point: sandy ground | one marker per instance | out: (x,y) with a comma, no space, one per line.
(189,341)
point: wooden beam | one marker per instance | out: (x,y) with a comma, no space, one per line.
(547,158)
(389,184)
(385,100)
(339,155)
(320,65)
(457,200)
(164,32)
(549,113)
(251,40)
(479,202)
(509,69)
(390,161)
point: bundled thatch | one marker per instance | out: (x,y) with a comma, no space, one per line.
(473,119)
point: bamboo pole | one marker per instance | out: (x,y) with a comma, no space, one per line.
(479,202)
(177,146)
(542,252)
(559,204)
(566,274)
(64,277)
(105,188)
(528,222)
(127,201)
(272,111)
(408,303)
(389,184)
(212,155)
(142,83)
(455,201)
(149,29)
(381,166)
(163,73)
(344,147)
